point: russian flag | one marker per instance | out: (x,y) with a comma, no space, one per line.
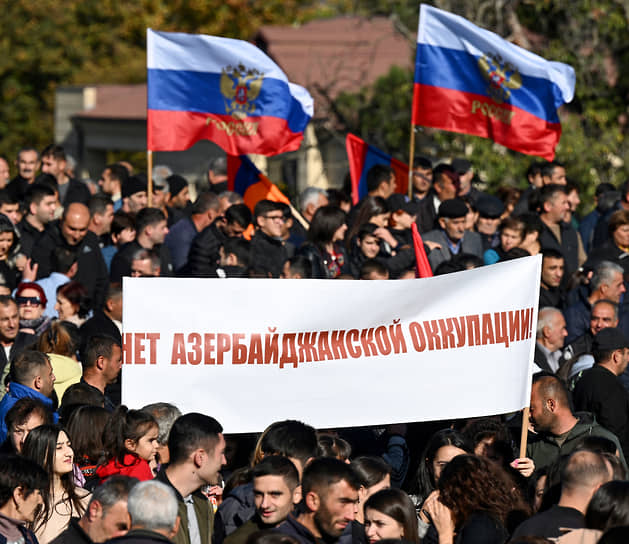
(470,80)
(245,179)
(362,157)
(223,90)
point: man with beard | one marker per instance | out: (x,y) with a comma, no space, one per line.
(558,430)
(330,502)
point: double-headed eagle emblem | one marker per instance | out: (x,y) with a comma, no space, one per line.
(240,86)
(501,76)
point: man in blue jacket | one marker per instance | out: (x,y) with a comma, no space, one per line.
(31,376)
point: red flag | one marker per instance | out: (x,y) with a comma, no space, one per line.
(423,266)
(362,157)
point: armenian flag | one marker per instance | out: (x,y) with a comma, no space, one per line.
(245,179)
(362,157)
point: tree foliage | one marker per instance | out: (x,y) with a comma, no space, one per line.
(49,43)
(590,35)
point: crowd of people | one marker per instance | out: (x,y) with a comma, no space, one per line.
(76,466)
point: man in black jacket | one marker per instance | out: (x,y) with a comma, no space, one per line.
(600,391)
(71,231)
(107,321)
(106,516)
(28,164)
(54,162)
(151,229)
(204,255)
(268,253)
(557,234)
(40,202)
(153,510)
(330,502)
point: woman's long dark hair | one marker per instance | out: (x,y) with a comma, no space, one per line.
(370,207)
(425,473)
(41,446)
(87,424)
(397,505)
(325,222)
(609,506)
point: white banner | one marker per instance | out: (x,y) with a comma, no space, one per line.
(333,353)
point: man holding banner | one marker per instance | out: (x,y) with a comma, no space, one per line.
(558,430)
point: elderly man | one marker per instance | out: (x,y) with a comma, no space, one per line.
(606,284)
(106,516)
(165,414)
(577,356)
(451,236)
(153,510)
(550,335)
(28,164)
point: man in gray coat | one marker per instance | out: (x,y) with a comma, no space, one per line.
(452,236)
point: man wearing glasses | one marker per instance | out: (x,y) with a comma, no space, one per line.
(268,253)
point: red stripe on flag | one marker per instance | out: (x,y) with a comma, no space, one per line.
(233,164)
(401,176)
(479,115)
(180,130)
(423,266)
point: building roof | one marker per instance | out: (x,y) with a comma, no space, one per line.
(330,56)
(123,102)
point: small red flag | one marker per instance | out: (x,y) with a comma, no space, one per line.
(423,266)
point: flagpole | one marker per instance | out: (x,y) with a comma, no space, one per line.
(299,217)
(525,431)
(411,154)
(149,160)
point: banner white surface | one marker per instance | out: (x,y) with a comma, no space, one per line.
(333,353)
